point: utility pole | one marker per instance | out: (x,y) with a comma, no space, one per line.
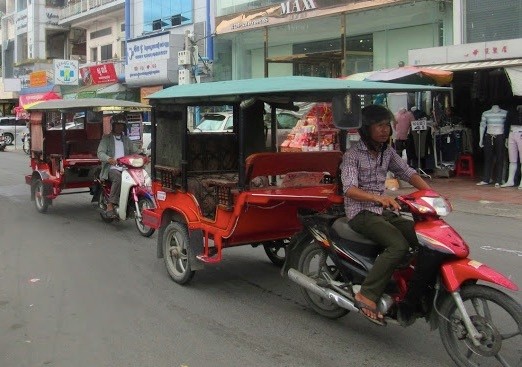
(188,59)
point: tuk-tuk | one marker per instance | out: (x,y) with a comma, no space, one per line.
(216,190)
(64,140)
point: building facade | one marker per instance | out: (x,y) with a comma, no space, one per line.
(121,46)
(323,37)
(485,58)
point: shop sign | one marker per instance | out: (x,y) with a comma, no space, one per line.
(153,72)
(21,22)
(149,49)
(52,17)
(65,72)
(297,6)
(292,10)
(98,74)
(483,51)
(469,52)
(419,125)
(38,78)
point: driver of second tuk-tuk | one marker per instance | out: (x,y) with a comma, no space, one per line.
(113,146)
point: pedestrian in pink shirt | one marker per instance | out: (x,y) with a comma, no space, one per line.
(402,124)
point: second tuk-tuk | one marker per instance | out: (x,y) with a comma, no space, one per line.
(216,190)
(64,140)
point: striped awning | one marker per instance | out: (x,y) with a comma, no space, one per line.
(492,64)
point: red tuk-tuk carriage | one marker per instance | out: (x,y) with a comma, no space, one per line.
(64,140)
(216,190)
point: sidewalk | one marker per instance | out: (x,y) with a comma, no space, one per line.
(465,196)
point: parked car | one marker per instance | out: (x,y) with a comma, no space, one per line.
(11,128)
(223,122)
(215,122)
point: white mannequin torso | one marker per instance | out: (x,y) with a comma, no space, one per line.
(492,121)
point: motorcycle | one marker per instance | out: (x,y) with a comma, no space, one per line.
(135,194)
(478,324)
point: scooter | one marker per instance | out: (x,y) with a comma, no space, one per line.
(135,194)
(478,324)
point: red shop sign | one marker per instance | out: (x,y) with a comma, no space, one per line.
(98,74)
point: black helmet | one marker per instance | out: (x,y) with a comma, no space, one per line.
(118,118)
(373,114)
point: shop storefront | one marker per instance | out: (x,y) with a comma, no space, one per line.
(484,74)
(324,37)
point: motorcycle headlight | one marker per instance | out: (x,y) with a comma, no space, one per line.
(441,206)
(137,162)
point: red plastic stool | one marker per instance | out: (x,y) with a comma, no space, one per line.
(464,166)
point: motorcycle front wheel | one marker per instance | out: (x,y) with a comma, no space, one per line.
(315,263)
(144,203)
(496,316)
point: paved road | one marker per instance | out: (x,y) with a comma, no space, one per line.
(75,291)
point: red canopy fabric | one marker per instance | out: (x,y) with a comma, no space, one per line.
(26,99)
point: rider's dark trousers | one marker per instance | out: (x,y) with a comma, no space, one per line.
(115,178)
(395,234)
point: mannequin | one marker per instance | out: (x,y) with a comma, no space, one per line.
(492,139)
(514,144)
(401,125)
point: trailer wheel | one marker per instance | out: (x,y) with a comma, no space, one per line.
(40,201)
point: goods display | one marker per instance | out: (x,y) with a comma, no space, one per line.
(313,132)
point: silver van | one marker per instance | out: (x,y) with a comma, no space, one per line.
(12,128)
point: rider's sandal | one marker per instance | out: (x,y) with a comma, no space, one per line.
(364,306)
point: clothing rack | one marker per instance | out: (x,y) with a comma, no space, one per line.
(449,143)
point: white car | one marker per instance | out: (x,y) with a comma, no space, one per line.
(216,122)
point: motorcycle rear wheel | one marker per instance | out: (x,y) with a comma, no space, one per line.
(102,206)
(144,203)
(496,316)
(314,262)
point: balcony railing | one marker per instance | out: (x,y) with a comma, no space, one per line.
(77,7)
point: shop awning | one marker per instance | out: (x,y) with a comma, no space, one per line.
(27,99)
(515,78)
(478,65)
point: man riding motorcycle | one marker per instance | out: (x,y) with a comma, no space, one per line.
(113,146)
(363,174)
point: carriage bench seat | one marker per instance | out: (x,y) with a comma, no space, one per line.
(298,168)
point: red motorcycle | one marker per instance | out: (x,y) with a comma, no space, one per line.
(135,193)
(479,325)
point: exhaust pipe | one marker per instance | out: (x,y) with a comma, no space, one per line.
(310,284)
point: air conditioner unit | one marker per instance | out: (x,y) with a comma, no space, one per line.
(175,20)
(156,24)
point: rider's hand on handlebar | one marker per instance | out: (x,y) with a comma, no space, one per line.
(387,202)
(112,161)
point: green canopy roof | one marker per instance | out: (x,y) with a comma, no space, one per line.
(294,87)
(96,104)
